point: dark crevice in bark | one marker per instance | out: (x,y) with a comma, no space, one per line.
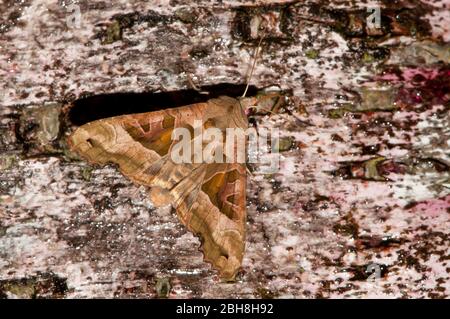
(96,107)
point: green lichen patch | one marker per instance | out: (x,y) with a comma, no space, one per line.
(284,144)
(43,285)
(113,30)
(371,169)
(86,173)
(186,15)
(8,161)
(420,53)
(380,99)
(113,33)
(39,128)
(312,54)
(163,287)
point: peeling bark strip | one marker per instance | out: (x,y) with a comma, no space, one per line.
(359,209)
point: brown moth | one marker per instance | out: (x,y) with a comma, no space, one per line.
(209,198)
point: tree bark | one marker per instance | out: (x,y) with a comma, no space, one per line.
(359,208)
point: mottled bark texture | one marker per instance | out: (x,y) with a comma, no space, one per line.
(359,208)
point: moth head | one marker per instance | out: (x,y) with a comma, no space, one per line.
(247,103)
(264,102)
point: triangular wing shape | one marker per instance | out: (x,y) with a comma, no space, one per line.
(209,198)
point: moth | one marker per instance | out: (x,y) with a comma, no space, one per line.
(209,198)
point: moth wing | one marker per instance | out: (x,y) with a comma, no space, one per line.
(209,198)
(134,142)
(215,210)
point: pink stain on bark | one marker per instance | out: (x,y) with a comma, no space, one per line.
(433,207)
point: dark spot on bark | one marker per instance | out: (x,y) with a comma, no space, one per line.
(377,242)
(347,227)
(370,149)
(337,138)
(199,52)
(367,271)
(319,202)
(411,205)
(102,204)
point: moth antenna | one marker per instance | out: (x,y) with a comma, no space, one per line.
(253,65)
(268,111)
(249,172)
